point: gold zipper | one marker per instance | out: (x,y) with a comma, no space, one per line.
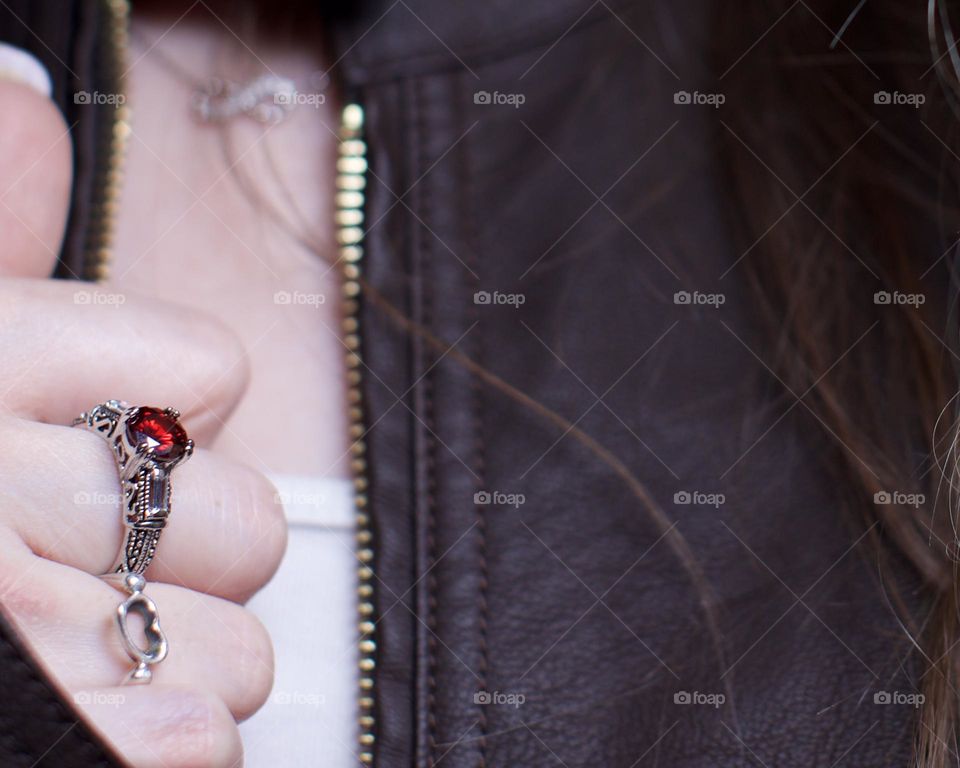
(350,198)
(111,145)
(351,182)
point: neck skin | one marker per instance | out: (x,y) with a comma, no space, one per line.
(217,217)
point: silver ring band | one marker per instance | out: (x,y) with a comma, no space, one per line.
(147,443)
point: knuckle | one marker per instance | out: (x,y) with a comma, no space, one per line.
(28,601)
(200,732)
(29,606)
(220,359)
(259,658)
(245,514)
(255,664)
(264,528)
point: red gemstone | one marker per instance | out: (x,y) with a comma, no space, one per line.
(160,432)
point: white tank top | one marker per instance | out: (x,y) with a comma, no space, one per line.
(310,609)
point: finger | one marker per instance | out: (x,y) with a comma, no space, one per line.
(225,535)
(69,618)
(35,168)
(164,726)
(84,350)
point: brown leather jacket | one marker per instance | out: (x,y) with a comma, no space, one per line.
(540,198)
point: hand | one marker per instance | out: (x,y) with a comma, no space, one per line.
(65,347)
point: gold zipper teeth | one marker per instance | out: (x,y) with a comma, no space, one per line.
(113,143)
(349,199)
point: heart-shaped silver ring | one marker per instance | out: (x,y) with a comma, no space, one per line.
(138,604)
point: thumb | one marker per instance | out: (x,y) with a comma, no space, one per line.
(35,168)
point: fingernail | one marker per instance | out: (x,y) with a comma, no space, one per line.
(22,67)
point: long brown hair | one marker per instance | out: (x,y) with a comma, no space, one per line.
(839,150)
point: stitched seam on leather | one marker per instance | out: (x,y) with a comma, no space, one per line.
(466,215)
(430,452)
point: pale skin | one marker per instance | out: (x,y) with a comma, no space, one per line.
(197,330)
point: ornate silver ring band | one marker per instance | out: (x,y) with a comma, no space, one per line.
(147,443)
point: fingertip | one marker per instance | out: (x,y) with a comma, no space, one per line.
(159,726)
(35,179)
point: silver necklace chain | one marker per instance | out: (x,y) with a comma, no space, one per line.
(267,98)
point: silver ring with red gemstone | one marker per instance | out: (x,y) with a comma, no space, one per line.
(147,444)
